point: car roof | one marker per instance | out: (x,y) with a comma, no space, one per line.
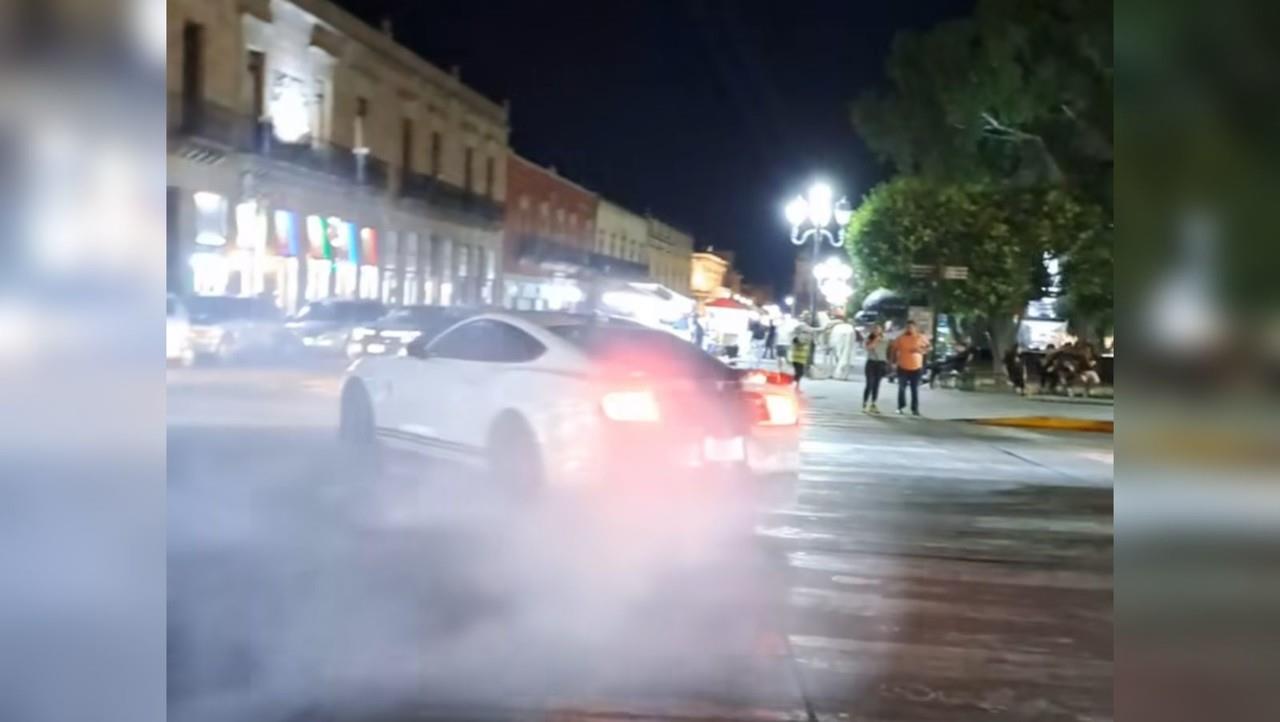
(548,319)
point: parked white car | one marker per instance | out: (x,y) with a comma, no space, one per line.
(550,399)
(177,333)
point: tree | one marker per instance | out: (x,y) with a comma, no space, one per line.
(1021,92)
(1001,233)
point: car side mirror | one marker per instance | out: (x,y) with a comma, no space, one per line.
(417,348)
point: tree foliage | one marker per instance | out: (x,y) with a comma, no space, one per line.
(1001,233)
(1021,91)
(999,126)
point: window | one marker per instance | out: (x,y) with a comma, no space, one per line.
(437,148)
(192,70)
(258,83)
(468,181)
(362,112)
(487,341)
(490,169)
(406,144)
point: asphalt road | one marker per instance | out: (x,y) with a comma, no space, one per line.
(931,570)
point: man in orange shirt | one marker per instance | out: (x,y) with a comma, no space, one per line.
(908,352)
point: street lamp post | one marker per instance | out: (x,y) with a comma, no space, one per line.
(810,218)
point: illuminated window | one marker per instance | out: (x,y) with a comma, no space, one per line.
(211,218)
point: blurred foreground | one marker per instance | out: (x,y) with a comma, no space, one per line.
(931,570)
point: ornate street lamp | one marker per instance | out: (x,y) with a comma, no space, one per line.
(810,218)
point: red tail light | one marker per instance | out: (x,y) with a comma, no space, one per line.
(635,406)
(770,409)
(783,410)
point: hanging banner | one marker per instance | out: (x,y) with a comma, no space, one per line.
(317,238)
(286,233)
(368,246)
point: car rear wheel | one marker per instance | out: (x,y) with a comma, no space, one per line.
(356,428)
(515,461)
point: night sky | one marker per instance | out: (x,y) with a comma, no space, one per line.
(709,113)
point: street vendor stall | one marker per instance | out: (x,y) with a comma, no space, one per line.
(728,326)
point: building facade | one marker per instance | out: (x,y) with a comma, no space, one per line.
(707,273)
(622,234)
(670,255)
(311,156)
(549,232)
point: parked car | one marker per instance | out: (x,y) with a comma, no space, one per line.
(327,324)
(543,400)
(231,327)
(177,333)
(393,332)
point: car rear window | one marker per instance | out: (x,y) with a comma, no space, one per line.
(642,350)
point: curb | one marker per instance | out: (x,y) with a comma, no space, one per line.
(1055,423)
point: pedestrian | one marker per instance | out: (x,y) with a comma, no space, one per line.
(877,346)
(1013,366)
(908,356)
(801,351)
(785,333)
(699,334)
(1049,370)
(770,339)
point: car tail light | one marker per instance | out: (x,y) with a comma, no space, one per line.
(783,409)
(637,406)
(774,409)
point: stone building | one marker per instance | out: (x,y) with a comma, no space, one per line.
(670,255)
(312,156)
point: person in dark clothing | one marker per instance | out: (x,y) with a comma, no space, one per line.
(770,339)
(877,347)
(1049,369)
(1016,371)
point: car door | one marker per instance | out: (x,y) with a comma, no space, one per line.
(422,394)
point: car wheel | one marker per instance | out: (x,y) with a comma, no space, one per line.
(515,461)
(356,427)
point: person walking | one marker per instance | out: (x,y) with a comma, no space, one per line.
(877,346)
(1015,369)
(801,351)
(770,339)
(699,333)
(908,356)
(786,331)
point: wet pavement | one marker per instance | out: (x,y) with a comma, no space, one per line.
(930,570)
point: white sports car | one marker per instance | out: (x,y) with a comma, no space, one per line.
(551,399)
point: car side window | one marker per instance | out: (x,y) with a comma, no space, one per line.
(460,343)
(516,346)
(487,341)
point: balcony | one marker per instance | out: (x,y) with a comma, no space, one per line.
(449,198)
(200,122)
(216,130)
(323,157)
(556,256)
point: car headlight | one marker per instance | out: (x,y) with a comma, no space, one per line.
(362,332)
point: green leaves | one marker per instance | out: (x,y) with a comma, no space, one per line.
(1001,233)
